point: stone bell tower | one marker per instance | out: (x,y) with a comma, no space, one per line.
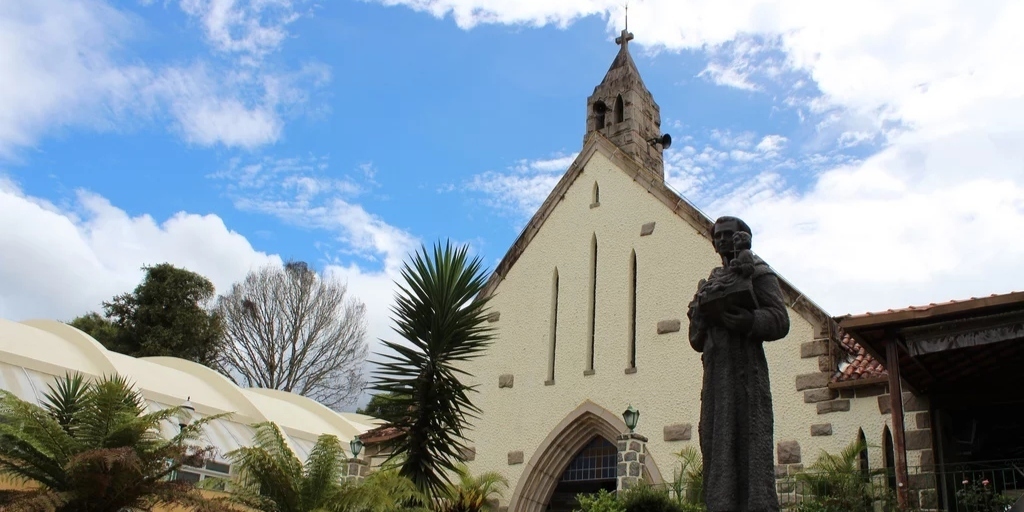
(622,109)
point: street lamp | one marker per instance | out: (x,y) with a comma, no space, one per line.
(187,409)
(630,416)
(356,445)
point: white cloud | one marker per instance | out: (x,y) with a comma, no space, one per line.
(60,262)
(520,190)
(68,64)
(252,28)
(930,216)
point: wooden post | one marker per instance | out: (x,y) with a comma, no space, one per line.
(898,433)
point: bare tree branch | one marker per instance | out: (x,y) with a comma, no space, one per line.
(292,329)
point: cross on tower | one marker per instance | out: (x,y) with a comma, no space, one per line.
(626,36)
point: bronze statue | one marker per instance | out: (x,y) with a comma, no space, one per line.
(737,308)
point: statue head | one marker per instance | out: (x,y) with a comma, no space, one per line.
(741,241)
(722,235)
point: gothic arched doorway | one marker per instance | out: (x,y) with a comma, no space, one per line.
(591,470)
(544,471)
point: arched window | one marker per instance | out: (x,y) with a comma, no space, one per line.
(620,109)
(889,457)
(553,333)
(632,311)
(600,109)
(596,199)
(592,334)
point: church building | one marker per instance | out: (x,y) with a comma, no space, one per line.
(589,308)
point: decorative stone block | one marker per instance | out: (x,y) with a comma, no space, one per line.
(921,481)
(515,457)
(595,204)
(929,499)
(647,229)
(678,432)
(924,420)
(468,453)
(833,406)
(506,380)
(813,349)
(821,429)
(494,316)
(811,381)
(788,452)
(869,391)
(913,403)
(883,404)
(826,364)
(918,439)
(667,326)
(587,373)
(632,450)
(550,382)
(812,396)
(927,458)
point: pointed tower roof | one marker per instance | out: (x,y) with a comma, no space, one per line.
(623,110)
(623,65)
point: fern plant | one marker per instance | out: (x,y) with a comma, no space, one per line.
(93,447)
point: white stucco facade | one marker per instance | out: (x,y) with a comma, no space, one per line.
(666,384)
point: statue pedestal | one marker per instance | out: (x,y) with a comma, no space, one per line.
(631,460)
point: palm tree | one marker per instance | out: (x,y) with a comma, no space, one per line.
(473,493)
(272,479)
(93,447)
(440,315)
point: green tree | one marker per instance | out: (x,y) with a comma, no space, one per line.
(381,405)
(168,314)
(101,328)
(272,479)
(92,447)
(440,315)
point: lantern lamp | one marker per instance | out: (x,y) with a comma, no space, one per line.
(356,445)
(630,416)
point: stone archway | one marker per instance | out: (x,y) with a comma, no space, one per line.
(542,472)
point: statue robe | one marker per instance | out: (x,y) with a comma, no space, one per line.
(736,422)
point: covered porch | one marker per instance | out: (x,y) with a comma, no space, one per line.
(965,359)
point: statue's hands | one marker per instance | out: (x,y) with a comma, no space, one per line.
(737,320)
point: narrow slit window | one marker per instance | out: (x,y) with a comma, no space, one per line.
(632,311)
(593,303)
(865,466)
(597,195)
(620,108)
(553,334)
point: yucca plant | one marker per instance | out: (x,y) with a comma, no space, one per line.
(837,483)
(440,315)
(92,446)
(472,493)
(688,481)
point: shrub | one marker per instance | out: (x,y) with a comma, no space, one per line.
(603,501)
(645,498)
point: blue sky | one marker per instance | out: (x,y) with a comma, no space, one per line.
(875,147)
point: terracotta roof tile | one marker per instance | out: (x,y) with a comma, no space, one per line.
(926,306)
(379,434)
(860,364)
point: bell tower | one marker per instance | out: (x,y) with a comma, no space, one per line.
(622,109)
